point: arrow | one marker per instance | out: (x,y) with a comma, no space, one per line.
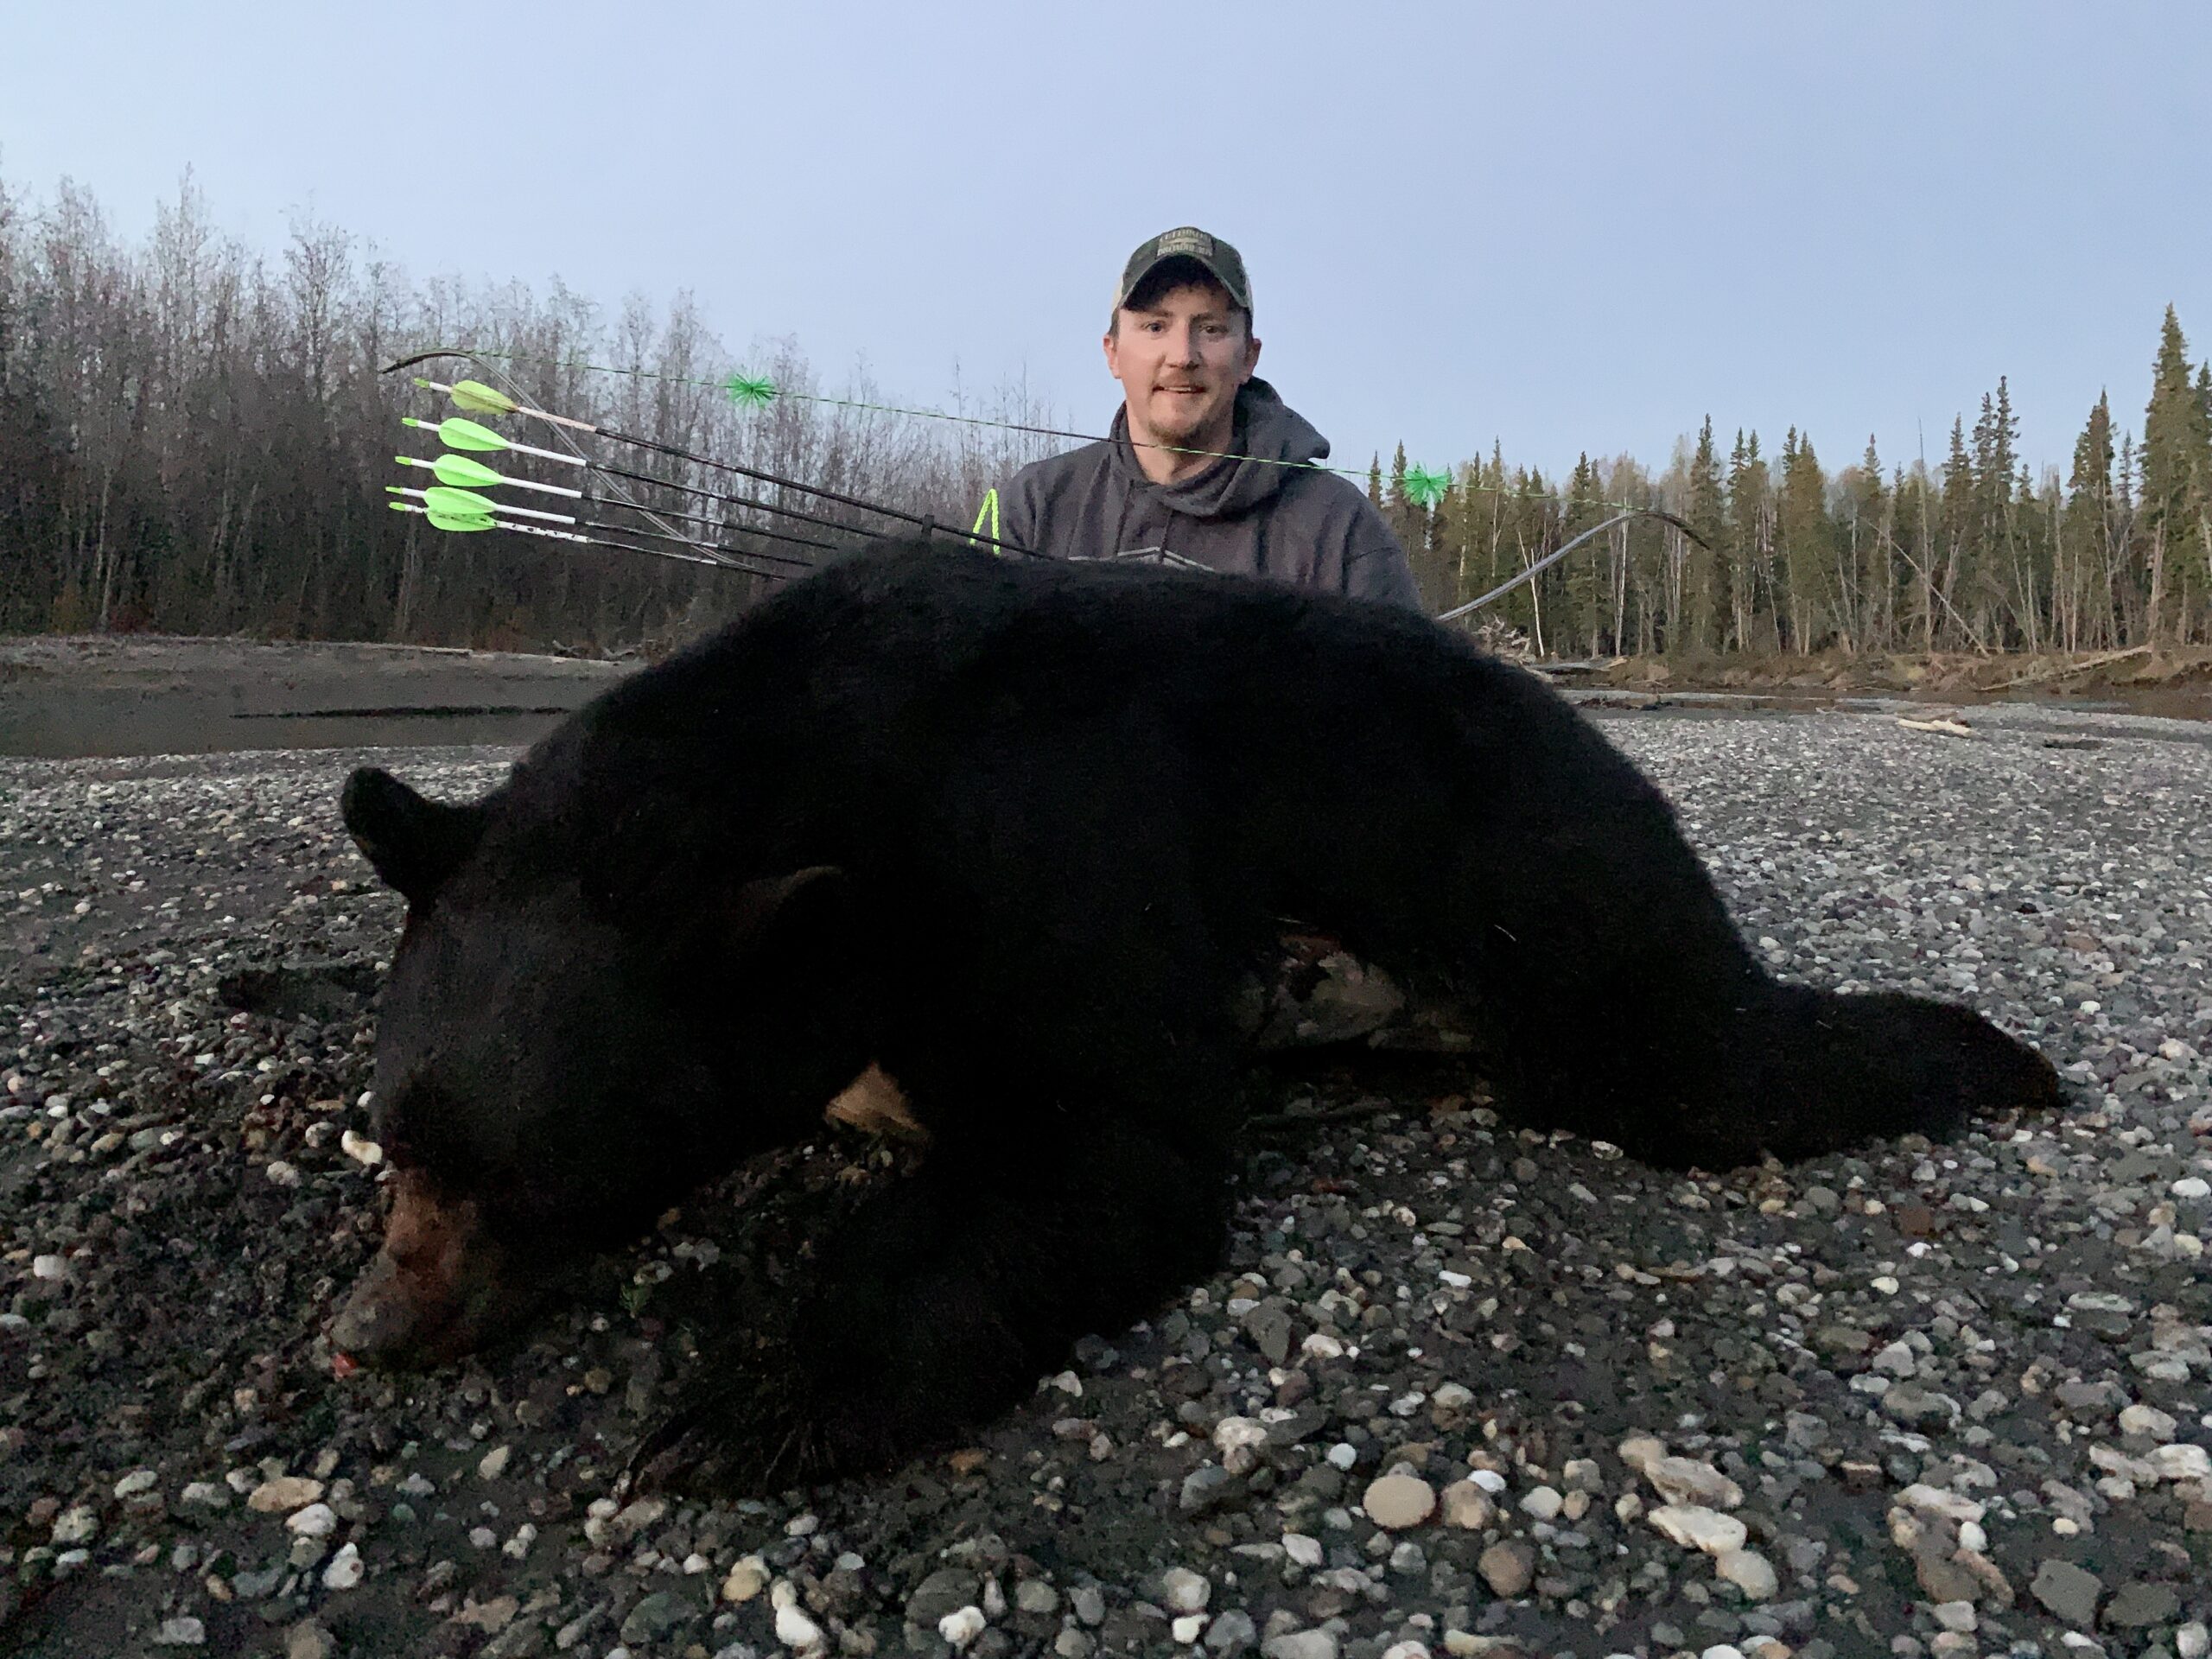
(478,398)
(466,474)
(468,523)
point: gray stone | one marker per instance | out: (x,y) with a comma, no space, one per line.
(1208,1488)
(2134,1605)
(1230,1632)
(2069,1591)
(1301,1644)
(658,1614)
(945,1591)
(1918,1407)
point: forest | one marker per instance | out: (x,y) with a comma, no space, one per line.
(195,439)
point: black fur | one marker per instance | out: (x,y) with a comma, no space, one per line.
(1048,817)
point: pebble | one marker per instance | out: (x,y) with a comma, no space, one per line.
(283,1493)
(1301,1644)
(1508,1568)
(795,1630)
(137,1481)
(962,1625)
(315,1520)
(2069,1591)
(1467,1506)
(346,1569)
(1543,1502)
(79,1525)
(1301,1550)
(2137,1604)
(1748,1571)
(1231,1632)
(1187,1628)
(1184,1591)
(185,1632)
(1699,1529)
(1687,1481)
(1398,1501)
(493,1463)
(748,1577)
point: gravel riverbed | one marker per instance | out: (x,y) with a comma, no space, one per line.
(1463,1389)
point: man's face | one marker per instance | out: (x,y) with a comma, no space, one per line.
(1180,358)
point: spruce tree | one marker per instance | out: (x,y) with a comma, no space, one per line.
(1704,596)
(2176,462)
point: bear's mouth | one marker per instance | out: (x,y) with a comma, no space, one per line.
(439,1287)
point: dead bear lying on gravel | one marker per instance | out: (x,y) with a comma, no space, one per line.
(1015,833)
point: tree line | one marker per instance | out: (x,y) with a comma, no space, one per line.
(196,439)
(1978,553)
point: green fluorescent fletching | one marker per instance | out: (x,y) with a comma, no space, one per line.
(459,503)
(463,521)
(747,393)
(463,473)
(457,434)
(1424,488)
(479,399)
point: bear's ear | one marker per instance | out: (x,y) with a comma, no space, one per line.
(414,843)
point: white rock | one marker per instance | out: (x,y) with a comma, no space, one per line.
(1301,1644)
(281,1173)
(2147,1421)
(186,1632)
(961,1627)
(1452,1396)
(1342,1455)
(1233,1432)
(2182,1462)
(1748,1571)
(1489,1480)
(76,1525)
(1937,1501)
(1304,1551)
(2191,1186)
(346,1569)
(206,1494)
(1321,1345)
(1699,1529)
(1639,1450)
(1687,1481)
(1187,1628)
(493,1463)
(1721,1650)
(1184,1591)
(137,1481)
(1956,1615)
(315,1520)
(49,1268)
(1897,1359)
(2193,1640)
(360,1148)
(1544,1504)
(795,1630)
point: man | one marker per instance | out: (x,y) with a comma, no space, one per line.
(1205,464)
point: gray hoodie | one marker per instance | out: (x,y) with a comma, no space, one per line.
(1250,513)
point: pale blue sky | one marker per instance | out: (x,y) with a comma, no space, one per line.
(1567,225)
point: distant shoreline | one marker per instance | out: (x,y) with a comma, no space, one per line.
(67,696)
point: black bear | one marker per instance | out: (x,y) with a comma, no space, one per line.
(1012,835)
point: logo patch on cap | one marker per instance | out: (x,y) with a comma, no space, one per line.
(1195,243)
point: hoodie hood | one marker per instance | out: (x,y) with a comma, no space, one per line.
(1270,438)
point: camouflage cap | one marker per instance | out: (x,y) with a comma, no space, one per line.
(1221,261)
